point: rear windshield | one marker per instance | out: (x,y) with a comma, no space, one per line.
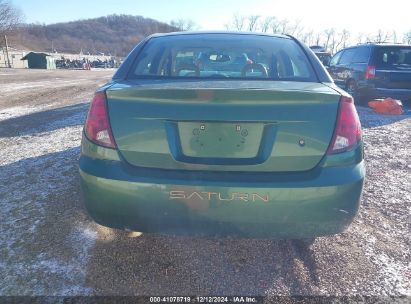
(223,56)
(393,56)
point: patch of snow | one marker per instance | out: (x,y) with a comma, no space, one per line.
(19,86)
(34,169)
(82,239)
(385,208)
(395,275)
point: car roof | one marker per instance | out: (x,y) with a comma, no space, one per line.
(382,44)
(218,32)
(372,44)
(392,45)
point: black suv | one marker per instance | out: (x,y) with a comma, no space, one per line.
(373,70)
(322,54)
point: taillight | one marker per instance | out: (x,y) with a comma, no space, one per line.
(370,72)
(347,132)
(97,126)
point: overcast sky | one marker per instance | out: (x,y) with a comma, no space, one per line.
(355,15)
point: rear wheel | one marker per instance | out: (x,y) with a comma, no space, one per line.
(351,88)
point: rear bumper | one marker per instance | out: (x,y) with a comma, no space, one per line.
(372,93)
(316,203)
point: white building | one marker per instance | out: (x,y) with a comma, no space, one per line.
(14,57)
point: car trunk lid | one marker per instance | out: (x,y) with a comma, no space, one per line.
(223,125)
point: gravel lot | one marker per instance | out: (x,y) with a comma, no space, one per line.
(49,246)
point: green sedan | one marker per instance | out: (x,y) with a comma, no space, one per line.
(218,133)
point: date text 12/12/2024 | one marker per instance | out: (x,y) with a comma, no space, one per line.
(206,299)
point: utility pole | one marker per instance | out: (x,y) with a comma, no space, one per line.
(7,52)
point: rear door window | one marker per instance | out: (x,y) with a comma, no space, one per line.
(347,56)
(361,55)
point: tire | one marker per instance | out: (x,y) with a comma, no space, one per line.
(351,88)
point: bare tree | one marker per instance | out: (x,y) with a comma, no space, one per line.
(10,17)
(317,39)
(190,25)
(361,38)
(275,26)
(407,37)
(329,37)
(265,24)
(307,37)
(284,26)
(368,37)
(184,24)
(382,36)
(252,22)
(295,29)
(344,36)
(394,36)
(238,22)
(337,40)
